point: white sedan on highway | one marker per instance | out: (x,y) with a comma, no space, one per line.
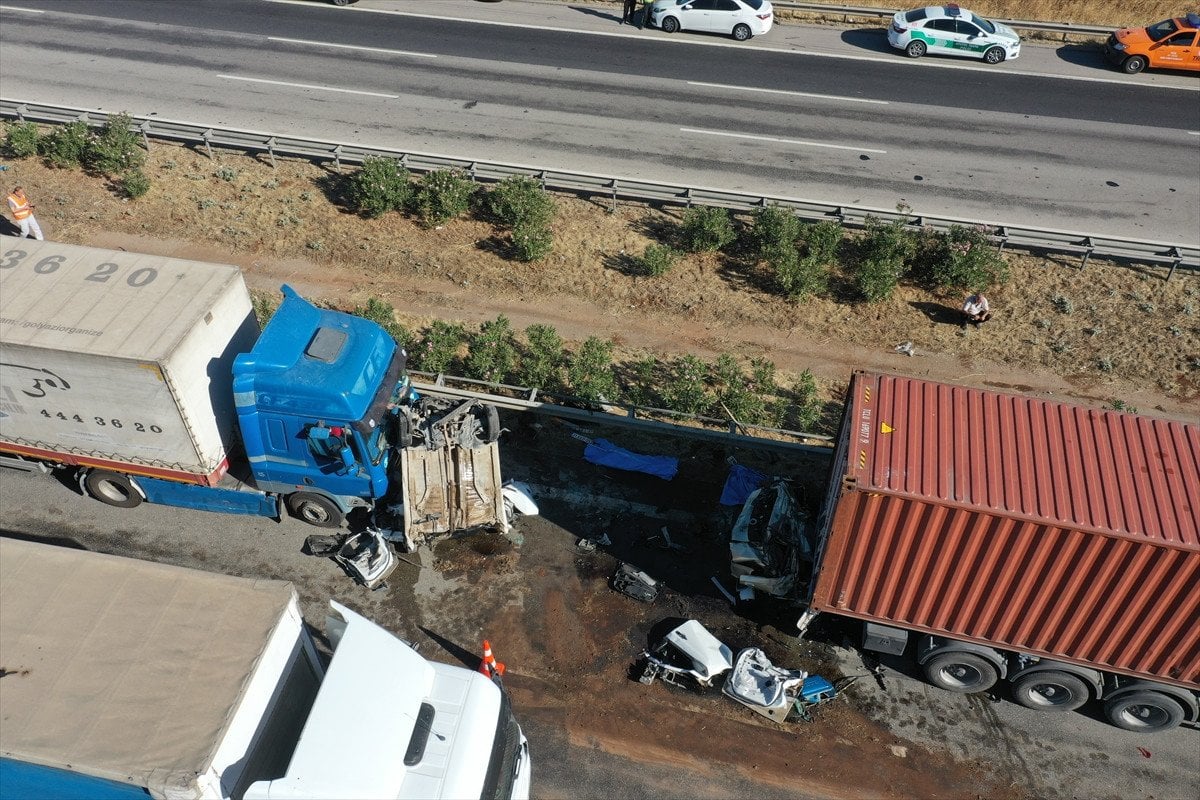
(740,19)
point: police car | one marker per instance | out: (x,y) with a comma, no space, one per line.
(953,31)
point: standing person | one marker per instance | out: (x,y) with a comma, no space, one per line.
(627,14)
(644,20)
(22,211)
(976,310)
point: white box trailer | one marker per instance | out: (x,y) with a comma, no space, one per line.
(125,678)
(120,360)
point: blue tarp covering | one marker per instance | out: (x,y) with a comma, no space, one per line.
(607,454)
(740,483)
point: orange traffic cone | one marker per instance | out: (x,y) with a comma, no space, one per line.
(488,663)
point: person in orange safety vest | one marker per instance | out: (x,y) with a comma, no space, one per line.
(22,211)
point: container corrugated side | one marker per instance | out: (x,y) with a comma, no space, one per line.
(923,553)
(128,376)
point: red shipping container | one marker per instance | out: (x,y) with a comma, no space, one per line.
(1026,524)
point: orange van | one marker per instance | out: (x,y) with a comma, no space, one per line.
(1170,44)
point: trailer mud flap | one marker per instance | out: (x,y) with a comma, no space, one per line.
(229,501)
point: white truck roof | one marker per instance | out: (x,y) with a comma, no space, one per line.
(105,302)
(122,669)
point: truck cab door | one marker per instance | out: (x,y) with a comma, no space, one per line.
(336,457)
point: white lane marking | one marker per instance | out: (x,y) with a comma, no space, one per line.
(308,86)
(352,47)
(1193,133)
(781,141)
(19,8)
(785,91)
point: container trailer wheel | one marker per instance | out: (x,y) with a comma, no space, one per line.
(111,488)
(961,672)
(1050,690)
(315,509)
(1145,712)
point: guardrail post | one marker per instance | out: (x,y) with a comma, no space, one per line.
(21,109)
(1088,254)
(1177,255)
(687,195)
(337,158)
(271,150)
(1002,232)
(145,129)
(542,179)
(207,136)
(614,196)
(471,172)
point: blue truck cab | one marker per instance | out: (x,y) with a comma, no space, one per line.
(316,401)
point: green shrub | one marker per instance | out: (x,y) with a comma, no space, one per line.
(265,304)
(686,389)
(383,314)
(706,229)
(532,240)
(887,249)
(520,200)
(543,358)
(960,258)
(797,277)
(805,410)
(742,397)
(492,353)
(657,260)
(441,196)
(774,230)
(21,139)
(66,146)
(822,240)
(380,185)
(134,184)
(117,148)
(641,377)
(590,372)
(438,349)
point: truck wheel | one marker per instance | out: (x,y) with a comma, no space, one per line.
(112,488)
(961,672)
(1050,690)
(1145,712)
(315,509)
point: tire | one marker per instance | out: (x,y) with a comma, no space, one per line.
(669,25)
(315,509)
(1144,712)
(1050,690)
(965,673)
(404,434)
(112,488)
(993,55)
(1133,65)
(489,419)
(742,33)
(916,48)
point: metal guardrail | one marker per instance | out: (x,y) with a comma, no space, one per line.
(624,415)
(1085,245)
(1065,28)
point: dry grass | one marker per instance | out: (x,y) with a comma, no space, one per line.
(1126,334)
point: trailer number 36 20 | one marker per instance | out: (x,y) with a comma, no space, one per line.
(102,272)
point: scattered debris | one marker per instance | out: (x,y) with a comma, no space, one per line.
(899,751)
(635,583)
(365,556)
(732,600)
(905,348)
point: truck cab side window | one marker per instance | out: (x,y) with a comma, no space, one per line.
(326,442)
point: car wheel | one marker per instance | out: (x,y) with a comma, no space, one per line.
(669,25)
(1133,65)
(315,509)
(742,32)
(916,48)
(994,55)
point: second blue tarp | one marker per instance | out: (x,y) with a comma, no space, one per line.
(740,483)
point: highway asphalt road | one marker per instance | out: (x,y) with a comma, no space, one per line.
(1052,139)
(581,756)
